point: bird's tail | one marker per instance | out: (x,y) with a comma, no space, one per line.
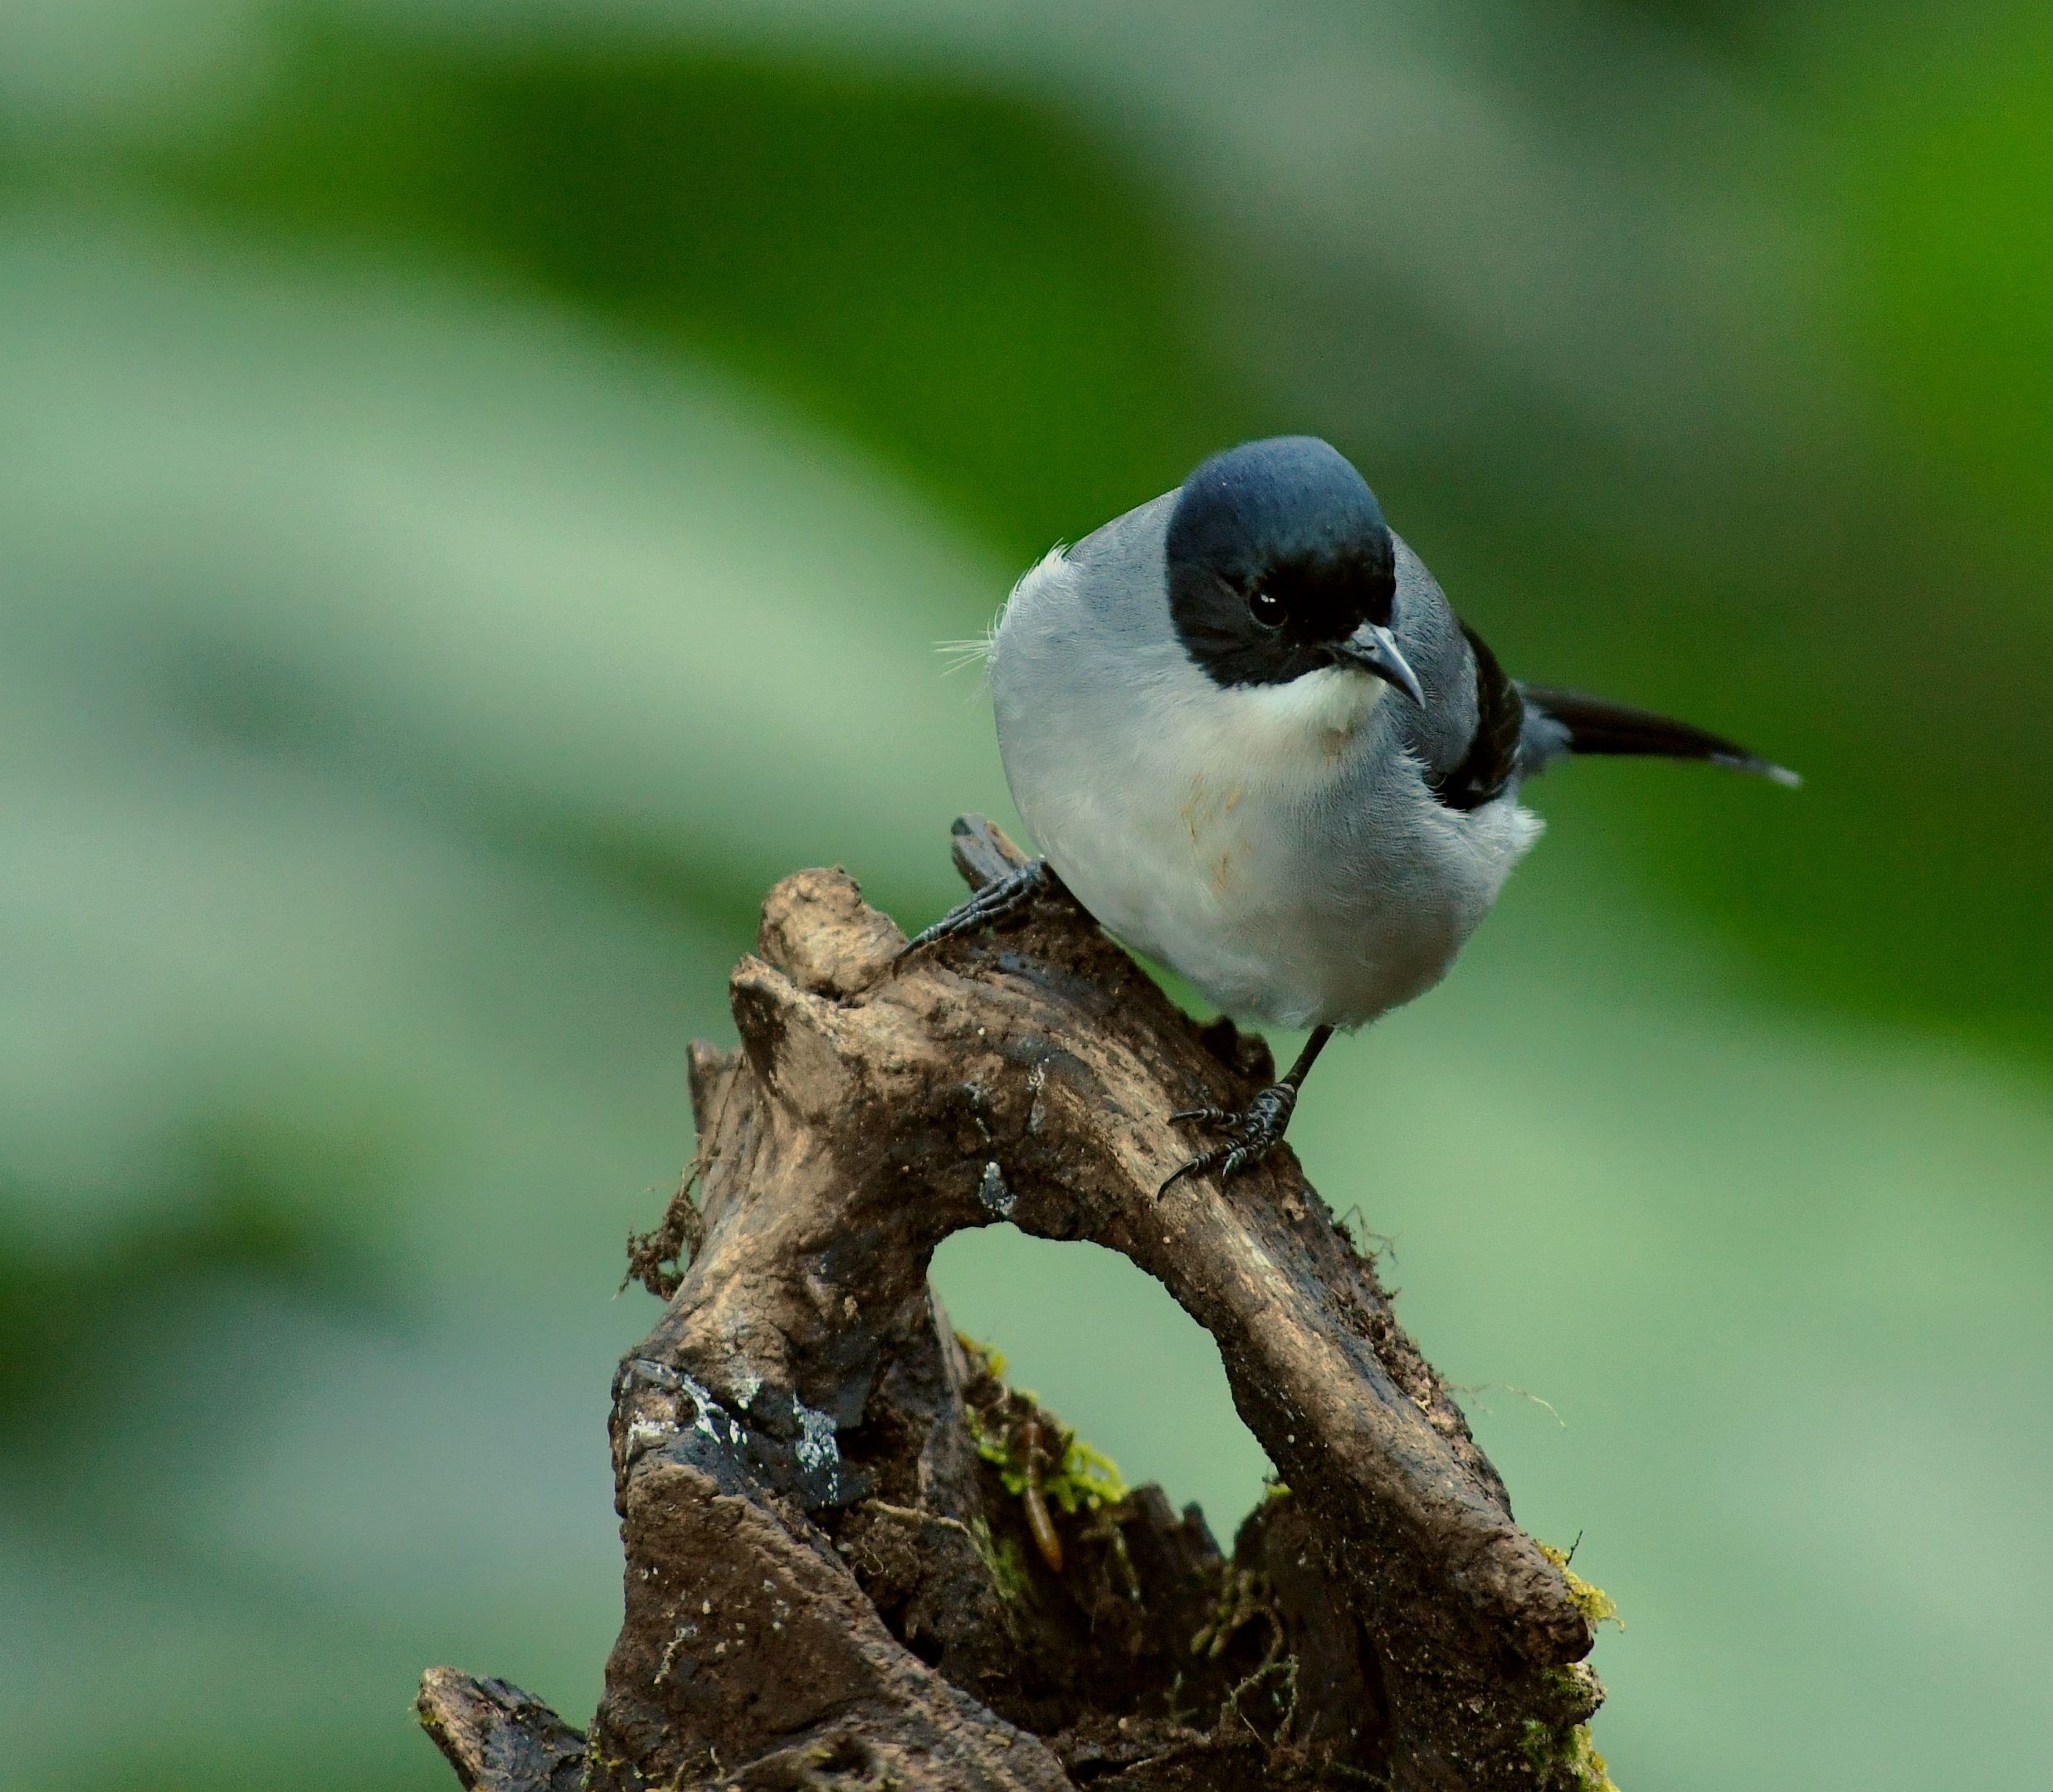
(1560,721)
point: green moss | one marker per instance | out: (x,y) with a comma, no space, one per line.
(1593,1602)
(1073,1475)
(1244,1595)
(1566,1761)
(1565,1758)
(1002,1561)
(1089,1478)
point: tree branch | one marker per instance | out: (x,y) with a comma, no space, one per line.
(840,1569)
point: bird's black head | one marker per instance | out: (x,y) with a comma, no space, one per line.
(1278,553)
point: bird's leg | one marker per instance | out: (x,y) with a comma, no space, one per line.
(1001,897)
(1261,1129)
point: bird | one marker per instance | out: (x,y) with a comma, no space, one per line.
(1250,735)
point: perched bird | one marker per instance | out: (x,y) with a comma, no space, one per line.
(1252,738)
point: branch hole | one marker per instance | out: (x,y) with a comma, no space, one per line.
(1104,1346)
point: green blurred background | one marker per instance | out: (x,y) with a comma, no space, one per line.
(480,482)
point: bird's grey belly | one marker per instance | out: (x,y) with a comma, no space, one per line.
(1270,914)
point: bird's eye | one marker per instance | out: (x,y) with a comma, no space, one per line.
(1267,609)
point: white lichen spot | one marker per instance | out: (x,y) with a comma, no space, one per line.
(712,1421)
(646,1434)
(1036,1081)
(816,1448)
(996,1198)
(684,1634)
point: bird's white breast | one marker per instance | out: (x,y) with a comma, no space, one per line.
(1273,844)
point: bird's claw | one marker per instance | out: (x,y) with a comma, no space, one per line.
(995,901)
(1259,1132)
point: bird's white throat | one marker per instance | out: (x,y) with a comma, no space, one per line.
(1314,717)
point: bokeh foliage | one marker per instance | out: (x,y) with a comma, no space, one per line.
(481,483)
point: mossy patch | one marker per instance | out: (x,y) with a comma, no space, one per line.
(1040,1461)
(1002,1560)
(1029,1446)
(1593,1602)
(1244,1596)
(1566,1760)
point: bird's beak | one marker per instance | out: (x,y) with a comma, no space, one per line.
(1375,650)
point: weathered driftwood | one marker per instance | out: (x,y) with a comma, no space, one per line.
(829,1583)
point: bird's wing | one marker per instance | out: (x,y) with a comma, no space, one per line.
(1556,723)
(1496,752)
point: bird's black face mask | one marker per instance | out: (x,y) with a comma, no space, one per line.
(1279,562)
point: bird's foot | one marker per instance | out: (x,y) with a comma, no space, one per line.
(1253,1134)
(999,900)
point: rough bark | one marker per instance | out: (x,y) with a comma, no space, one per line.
(839,1566)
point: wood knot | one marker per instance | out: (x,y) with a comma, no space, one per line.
(819,932)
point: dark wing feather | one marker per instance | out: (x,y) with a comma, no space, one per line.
(1585,724)
(1492,758)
